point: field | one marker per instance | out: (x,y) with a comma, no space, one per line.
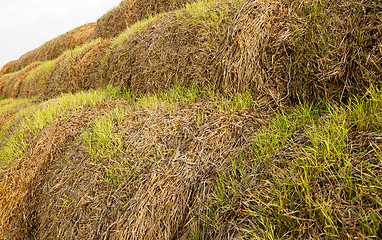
(211,119)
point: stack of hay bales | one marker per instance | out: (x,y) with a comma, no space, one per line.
(59,79)
(276,50)
(55,47)
(130,12)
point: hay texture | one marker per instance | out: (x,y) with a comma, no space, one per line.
(310,50)
(86,72)
(18,201)
(59,79)
(178,48)
(10,83)
(54,191)
(131,11)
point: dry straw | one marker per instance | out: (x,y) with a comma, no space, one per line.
(6,116)
(10,83)
(59,79)
(41,199)
(21,77)
(19,189)
(55,47)
(178,48)
(85,73)
(331,47)
(130,12)
(4,69)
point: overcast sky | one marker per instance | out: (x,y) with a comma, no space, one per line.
(27,24)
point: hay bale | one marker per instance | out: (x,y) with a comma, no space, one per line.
(307,50)
(85,73)
(6,116)
(111,24)
(82,35)
(59,78)
(178,48)
(20,79)
(55,47)
(10,83)
(130,12)
(4,69)
(51,78)
(35,81)
(19,189)
(58,190)
(5,82)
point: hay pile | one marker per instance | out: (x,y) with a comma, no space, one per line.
(55,47)
(59,78)
(18,201)
(3,80)
(74,70)
(277,50)
(130,12)
(112,23)
(81,35)
(86,73)
(35,81)
(4,69)
(177,48)
(307,50)
(18,81)
(6,116)
(10,83)
(171,164)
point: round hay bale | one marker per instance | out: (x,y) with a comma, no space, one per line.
(13,66)
(36,80)
(20,188)
(59,79)
(178,48)
(10,83)
(21,78)
(4,82)
(4,69)
(86,73)
(111,24)
(303,50)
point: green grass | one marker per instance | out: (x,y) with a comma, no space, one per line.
(313,170)
(8,104)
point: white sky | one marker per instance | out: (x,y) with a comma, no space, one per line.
(27,24)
